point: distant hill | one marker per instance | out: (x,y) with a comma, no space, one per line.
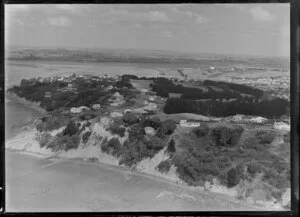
(144,56)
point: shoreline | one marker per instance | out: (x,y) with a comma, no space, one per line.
(31,105)
(128,171)
(36,107)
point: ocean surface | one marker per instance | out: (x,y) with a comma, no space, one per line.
(16,116)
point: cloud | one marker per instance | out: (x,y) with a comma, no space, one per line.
(149,16)
(16,8)
(158,16)
(260,14)
(59,21)
(200,19)
(71,8)
(166,34)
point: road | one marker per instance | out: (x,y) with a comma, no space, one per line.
(38,184)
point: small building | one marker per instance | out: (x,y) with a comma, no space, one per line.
(258,120)
(109,87)
(185,123)
(79,109)
(145,102)
(70,85)
(114,104)
(96,106)
(151,107)
(127,111)
(212,68)
(116,114)
(282,126)
(149,131)
(48,95)
(144,90)
(151,98)
(75,110)
(175,95)
(238,117)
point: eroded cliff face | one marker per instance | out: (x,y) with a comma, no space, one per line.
(29,139)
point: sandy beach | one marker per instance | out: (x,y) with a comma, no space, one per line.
(38,184)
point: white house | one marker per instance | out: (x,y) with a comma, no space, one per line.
(48,95)
(96,106)
(212,68)
(149,130)
(114,104)
(116,114)
(282,126)
(150,107)
(75,110)
(185,123)
(258,120)
(151,98)
(79,109)
(109,87)
(238,117)
(127,111)
(144,90)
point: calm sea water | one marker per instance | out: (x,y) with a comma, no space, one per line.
(16,115)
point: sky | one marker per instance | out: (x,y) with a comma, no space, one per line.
(255,29)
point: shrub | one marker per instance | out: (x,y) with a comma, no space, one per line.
(50,123)
(171,146)
(287,137)
(167,128)
(130,119)
(265,137)
(136,132)
(225,136)
(253,143)
(233,177)
(113,146)
(253,169)
(130,154)
(44,139)
(86,136)
(164,166)
(71,129)
(201,131)
(154,122)
(88,124)
(116,129)
(72,142)
(87,115)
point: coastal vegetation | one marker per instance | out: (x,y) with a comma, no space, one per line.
(230,153)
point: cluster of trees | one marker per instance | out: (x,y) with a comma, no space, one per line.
(225,136)
(257,93)
(89,93)
(88,97)
(50,122)
(164,86)
(164,166)
(117,129)
(85,137)
(210,152)
(137,146)
(267,108)
(113,146)
(134,150)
